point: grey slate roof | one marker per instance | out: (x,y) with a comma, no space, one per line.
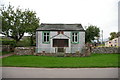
(57,27)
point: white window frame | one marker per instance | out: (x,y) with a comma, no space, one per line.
(46,34)
(74,35)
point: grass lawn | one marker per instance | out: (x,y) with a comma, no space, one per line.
(95,60)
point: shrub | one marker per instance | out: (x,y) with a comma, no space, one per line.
(7,42)
(24,43)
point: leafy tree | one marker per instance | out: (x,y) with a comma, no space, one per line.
(33,24)
(118,34)
(113,35)
(16,22)
(91,32)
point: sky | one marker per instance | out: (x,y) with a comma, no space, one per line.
(101,13)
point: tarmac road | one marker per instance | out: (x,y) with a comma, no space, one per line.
(21,72)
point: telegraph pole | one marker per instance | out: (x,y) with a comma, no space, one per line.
(102,36)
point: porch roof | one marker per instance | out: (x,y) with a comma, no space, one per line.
(60,27)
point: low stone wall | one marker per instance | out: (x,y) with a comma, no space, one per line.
(62,54)
(24,50)
(84,53)
(105,50)
(59,54)
(31,51)
(6,48)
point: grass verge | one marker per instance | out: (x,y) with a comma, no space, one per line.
(95,60)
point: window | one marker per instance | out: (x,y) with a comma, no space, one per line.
(46,37)
(75,36)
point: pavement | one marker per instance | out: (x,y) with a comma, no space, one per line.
(22,72)
(6,55)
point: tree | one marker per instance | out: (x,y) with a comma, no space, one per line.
(16,22)
(118,34)
(91,32)
(113,35)
(33,24)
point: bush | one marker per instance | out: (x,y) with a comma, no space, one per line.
(24,43)
(7,42)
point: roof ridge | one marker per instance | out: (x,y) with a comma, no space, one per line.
(56,26)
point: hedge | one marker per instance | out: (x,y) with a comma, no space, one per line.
(7,42)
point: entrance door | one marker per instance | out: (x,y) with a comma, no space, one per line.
(60,43)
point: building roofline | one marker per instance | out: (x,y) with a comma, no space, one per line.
(60,27)
(61,30)
(60,24)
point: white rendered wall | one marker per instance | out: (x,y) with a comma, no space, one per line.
(78,47)
(48,48)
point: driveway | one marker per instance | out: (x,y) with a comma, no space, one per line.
(20,72)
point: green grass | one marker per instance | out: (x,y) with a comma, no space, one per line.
(95,60)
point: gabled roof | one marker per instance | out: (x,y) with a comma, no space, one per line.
(63,27)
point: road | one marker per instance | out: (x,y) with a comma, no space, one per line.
(20,72)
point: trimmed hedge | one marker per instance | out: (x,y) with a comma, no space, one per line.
(7,42)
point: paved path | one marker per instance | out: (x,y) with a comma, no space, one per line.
(19,72)
(6,55)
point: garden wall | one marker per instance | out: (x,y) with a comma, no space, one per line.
(106,50)
(59,54)
(31,51)
(24,50)
(7,48)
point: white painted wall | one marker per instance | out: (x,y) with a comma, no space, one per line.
(48,48)
(114,42)
(78,47)
(119,41)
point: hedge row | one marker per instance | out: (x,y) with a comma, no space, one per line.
(7,42)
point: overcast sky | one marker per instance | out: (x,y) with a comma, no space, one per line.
(101,13)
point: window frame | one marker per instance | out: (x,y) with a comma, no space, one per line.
(75,42)
(43,39)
